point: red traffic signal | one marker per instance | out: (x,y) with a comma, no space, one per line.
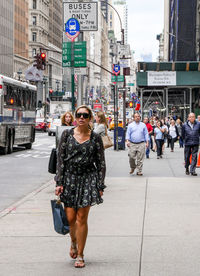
(43,55)
(50,91)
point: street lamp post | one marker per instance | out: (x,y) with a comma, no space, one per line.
(116,88)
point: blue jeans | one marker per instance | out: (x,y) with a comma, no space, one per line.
(181,143)
(148,149)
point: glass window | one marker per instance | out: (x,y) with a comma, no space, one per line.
(34,36)
(34,4)
(34,20)
(34,52)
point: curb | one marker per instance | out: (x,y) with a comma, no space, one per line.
(14,206)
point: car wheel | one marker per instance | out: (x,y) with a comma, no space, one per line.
(10,145)
(28,146)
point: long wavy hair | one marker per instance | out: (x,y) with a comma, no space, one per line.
(102,118)
(63,118)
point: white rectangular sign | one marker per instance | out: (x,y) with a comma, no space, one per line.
(164,78)
(85,12)
(80,71)
(124,50)
(124,63)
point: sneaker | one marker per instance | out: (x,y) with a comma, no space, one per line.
(161,156)
(158,157)
(139,173)
(193,173)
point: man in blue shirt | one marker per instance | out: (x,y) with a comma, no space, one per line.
(136,137)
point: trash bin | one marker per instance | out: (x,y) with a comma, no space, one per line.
(121,138)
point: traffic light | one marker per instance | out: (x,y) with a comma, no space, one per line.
(43,60)
(130,104)
(50,91)
(38,62)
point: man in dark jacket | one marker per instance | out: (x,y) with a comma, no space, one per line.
(191,134)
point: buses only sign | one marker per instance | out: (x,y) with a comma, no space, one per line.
(85,12)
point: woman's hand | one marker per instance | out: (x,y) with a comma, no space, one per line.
(58,190)
(101,193)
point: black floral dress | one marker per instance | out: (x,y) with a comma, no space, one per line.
(80,170)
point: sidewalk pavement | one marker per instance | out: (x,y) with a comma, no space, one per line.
(146,226)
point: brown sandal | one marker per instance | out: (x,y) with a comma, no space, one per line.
(73,251)
(79,263)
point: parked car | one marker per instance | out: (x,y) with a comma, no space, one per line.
(112,124)
(52,125)
(41,124)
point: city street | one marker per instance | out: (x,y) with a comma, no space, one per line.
(146,226)
(25,170)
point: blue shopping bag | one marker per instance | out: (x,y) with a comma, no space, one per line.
(60,222)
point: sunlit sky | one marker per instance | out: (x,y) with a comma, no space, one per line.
(145,21)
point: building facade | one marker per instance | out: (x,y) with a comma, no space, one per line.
(38,27)
(6,38)
(182,30)
(122,10)
(166,30)
(55,45)
(21,48)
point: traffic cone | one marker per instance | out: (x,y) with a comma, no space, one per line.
(198,161)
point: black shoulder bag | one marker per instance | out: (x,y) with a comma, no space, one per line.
(53,160)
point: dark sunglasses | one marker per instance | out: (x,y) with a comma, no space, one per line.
(85,115)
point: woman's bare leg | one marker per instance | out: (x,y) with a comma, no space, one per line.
(71,217)
(82,228)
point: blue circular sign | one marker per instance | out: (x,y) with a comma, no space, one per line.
(116,68)
(72,28)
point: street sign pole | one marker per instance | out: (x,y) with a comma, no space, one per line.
(72,77)
(117,145)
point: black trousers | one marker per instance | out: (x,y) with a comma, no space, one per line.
(159,144)
(188,151)
(172,141)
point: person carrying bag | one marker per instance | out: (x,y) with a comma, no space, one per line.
(101,128)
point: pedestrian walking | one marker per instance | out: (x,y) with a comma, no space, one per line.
(101,123)
(153,143)
(191,135)
(179,125)
(67,119)
(136,137)
(159,138)
(150,131)
(80,178)
(173,134)
(165,127)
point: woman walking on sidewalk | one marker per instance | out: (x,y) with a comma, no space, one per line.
(159,138)
(67,119)
(101,123)
(80,178)
(173,134)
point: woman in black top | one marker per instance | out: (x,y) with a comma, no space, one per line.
(80,178)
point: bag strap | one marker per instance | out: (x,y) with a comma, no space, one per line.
(106,132)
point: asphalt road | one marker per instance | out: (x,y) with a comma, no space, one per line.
(23,171)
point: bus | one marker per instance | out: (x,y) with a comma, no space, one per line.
(17,114)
